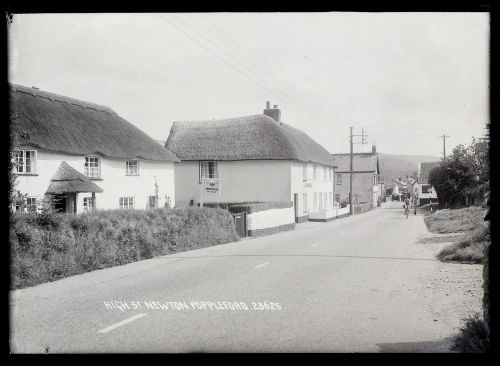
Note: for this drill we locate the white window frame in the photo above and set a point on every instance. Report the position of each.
(315, 172)
(338, 181)
(330, 195)
(30, 205)
(126, 203)
(87, 204)
(320, 200)
(129, 165)
(304, 203)
(325, 199)
(20, 160)
(92, 171)
(205, 170)
(315, 201)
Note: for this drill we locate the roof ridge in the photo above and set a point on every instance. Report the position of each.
(223, 119)
(54, 97)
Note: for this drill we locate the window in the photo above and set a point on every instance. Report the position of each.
(87, 204)
(315, 203)
(325, 197)
(152, 201)
(31, 205)
(320, 200)
(337, 197)
(339, 178)
(92, 168)
(304, 202)
(315, 172)
(374, 179)
(132, 167)
(25, 161)
(330, 195)
(331, 174)
(208, 170)
(426, 188)
(304, 172)
(126, 203)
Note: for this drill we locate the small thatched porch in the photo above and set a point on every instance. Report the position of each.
(65, 186)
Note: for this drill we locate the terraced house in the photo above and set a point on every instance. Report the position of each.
(79, 156)
(252, 159)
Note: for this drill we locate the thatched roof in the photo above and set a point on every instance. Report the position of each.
(58, 123)
(255, 137)
(360, 162)
(68, 179)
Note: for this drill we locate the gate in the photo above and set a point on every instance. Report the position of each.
(240, 223)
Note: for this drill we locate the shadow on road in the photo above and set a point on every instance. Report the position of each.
(417, 347)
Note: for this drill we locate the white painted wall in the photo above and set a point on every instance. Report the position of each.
(270, 218)
(241, 181)
(298, 185)
(114, 182)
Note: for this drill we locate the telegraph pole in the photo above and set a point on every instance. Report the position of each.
(350, 175)
(351, 142)
(444, 144)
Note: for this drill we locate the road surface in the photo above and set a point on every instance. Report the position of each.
(358, 284)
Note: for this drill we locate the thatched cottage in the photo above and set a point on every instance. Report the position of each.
(255, 158)
(81, 156)
(367, 185)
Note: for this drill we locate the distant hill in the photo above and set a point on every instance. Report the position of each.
(395, 166)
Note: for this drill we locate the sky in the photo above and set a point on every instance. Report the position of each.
(404, 78)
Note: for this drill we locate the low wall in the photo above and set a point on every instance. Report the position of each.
(264, 218)
(363, 207)
(342, 212)
(270, 221)
(323, 215)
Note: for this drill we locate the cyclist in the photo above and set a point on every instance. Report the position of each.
(407, 205)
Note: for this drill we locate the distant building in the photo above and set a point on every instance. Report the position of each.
(367, 184)
(423, 171)
(425, 192)
(255, 158)
(80, 156)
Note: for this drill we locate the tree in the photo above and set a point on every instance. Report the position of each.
(452, 177)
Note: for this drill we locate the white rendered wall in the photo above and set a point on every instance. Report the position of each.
(241, 181)
(114, 182)
(299, 186)
(270, 218)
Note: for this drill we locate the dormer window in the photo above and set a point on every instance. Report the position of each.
(25, 161)
(92, 167)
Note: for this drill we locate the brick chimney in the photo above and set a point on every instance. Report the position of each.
(274, 112)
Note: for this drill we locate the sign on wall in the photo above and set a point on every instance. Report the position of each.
(211, 188)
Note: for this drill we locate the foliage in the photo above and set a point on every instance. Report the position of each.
(474, 336)
(453, 221)
(463, 177)
(470, 248)
(48, 246)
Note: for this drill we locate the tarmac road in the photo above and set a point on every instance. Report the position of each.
(358, 284)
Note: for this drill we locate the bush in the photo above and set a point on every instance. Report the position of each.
(46, 247)
(474, 336)
(470, 248)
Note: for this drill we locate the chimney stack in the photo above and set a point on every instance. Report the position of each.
(374, 149)
(274, 113)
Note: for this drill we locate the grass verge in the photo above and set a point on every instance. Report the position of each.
(453, 221)
(472, 248)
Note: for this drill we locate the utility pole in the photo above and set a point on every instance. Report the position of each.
(351, 142)
(444, 144)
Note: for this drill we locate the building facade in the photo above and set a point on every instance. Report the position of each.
(367, 185)
(78, 156)
(255, 158)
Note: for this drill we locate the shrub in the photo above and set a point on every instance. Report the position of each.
(452, 221)
(46, 247)
(474, 336)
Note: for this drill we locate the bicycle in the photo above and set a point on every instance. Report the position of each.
(407, 210)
